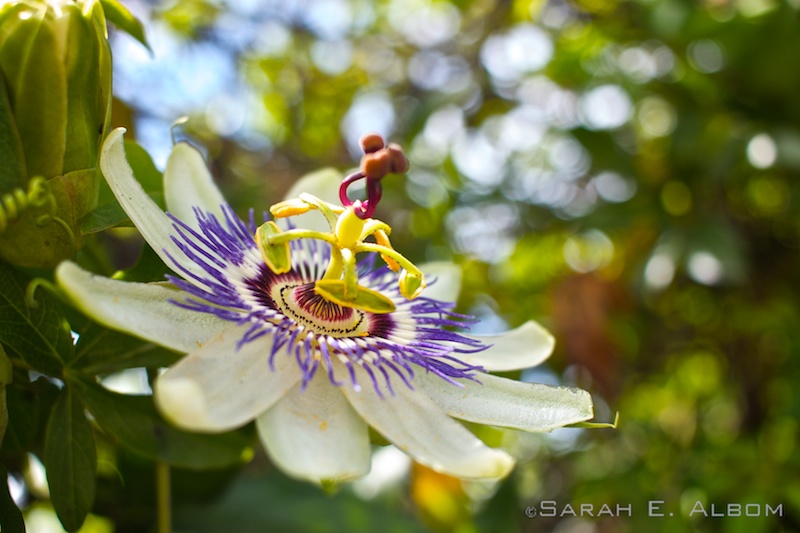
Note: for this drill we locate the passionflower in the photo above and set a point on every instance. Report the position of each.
(283, 325)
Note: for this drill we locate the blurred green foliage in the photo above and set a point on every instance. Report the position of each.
(625, 172)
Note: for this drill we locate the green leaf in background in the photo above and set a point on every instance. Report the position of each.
(38, 335)
(29, 406)
(104, 217)
(134, 421)
(103, 351)
(109, 213)
(10, 516)
(119, 16)
(147, 269)
(145, 170)
(281, 505)
(70, 457)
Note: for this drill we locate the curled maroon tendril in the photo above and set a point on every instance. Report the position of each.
(377, 162)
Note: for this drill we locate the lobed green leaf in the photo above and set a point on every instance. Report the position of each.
(70, 457)
(38, 335)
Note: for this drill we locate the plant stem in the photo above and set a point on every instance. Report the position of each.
(163, 495)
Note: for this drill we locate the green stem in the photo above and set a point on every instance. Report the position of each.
(164, 497)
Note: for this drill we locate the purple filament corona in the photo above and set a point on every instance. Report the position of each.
(284, 312)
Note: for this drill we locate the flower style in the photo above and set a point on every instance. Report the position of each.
(311, 367)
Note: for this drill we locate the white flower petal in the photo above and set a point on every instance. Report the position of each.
(504, 402)
(447, 282)
(149, 219)
(413, 423)
(188, 184)
(324, 184)
(526, 346)
(315, 434)
(218, 387)
(141, 309)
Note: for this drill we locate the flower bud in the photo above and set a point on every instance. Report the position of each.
(55, 107)
(371, 142)
(376, 165)
(399, 163)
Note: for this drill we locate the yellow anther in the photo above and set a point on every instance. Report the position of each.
(290, 208)
(276, 256)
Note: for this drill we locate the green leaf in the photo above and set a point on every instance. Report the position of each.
(109, 212)
(70, 458)
(145, 169)
(110, 215)
(103, 351)
(147, 269)
(135, 423)
(38, 335)
(293, 506)
(104, 217)
(10, 516)
(119, 16)
(29, 406)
